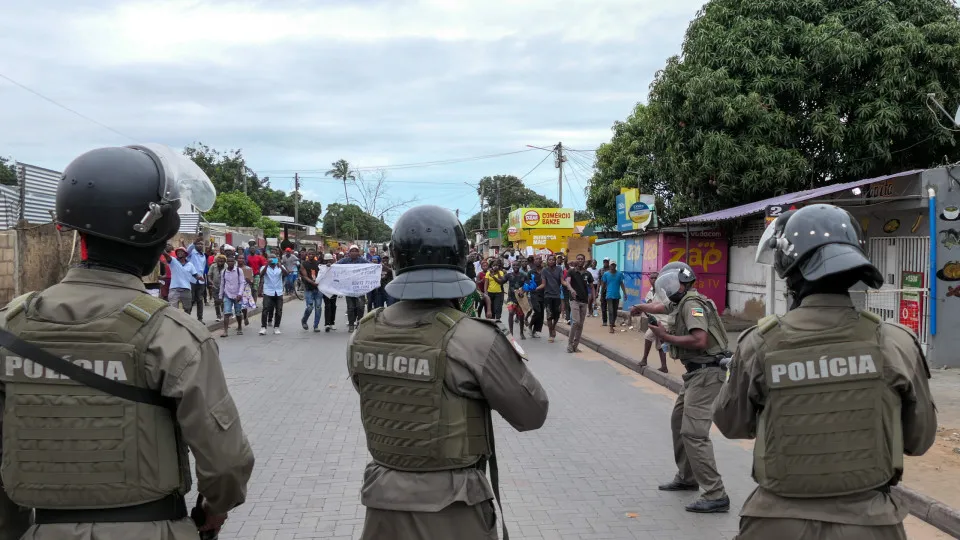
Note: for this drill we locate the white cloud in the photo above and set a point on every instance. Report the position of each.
(298, 84)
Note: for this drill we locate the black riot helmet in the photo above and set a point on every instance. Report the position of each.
(670, 279)
(816, 242)
(130, 195)
(429, 253)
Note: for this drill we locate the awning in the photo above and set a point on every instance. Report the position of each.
(789, 198)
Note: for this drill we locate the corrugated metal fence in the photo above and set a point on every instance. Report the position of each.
(40, 196)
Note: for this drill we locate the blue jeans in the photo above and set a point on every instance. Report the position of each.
(314, 302)
(291, 277)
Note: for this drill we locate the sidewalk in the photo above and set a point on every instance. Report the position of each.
(935, 474)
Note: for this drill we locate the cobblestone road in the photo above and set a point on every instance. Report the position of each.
(596, 462)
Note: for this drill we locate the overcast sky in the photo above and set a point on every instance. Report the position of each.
(299, 84)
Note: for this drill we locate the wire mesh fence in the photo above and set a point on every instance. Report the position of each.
(908, 306)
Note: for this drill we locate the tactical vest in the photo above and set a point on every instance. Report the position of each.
(717, 340)
(69, 446)
(830, 425)
(413, 422)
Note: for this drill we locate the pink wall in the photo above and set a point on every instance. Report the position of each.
(708, 258)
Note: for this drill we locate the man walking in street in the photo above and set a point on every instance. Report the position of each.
(213, 279)
(257, 262)
(613, 285)
(232, 282)
(604, 314)
(291, 263)
(271, 292)
(329, 302)
(552, 281)
(355, 304)
(578, 285)
(182, 275)
(309, 272)
(198, 285)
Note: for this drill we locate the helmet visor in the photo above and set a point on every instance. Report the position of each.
(765, 251)
(668, 285)
(183, 179)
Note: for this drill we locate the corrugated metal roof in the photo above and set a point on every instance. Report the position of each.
(789, 198)
(190, 223)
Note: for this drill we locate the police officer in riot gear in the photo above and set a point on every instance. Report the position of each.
(699, 341)
(833, 395)
(428, 377)
(106, 387)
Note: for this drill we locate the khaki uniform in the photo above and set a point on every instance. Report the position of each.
(870, 513)
(481, 366)
(182, 362)
(690, 420)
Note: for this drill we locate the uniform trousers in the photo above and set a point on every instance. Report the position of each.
(756, 528)
(457, 521)
(690, 424)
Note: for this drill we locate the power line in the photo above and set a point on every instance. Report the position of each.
(405, 165)
(536, 166)
(64, 107)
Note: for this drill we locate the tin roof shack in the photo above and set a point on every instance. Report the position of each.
(540, 230)
(911, 234)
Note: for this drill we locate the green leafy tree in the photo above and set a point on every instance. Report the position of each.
(774, 96)
(341, 171)
(229, 173)
(349, 221)
(513, 194)
(271, 229)
(235, 209)
(626, 161)
(8, 173)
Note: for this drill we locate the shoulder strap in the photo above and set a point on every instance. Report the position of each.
(143, 307)
(768, 323)
(869, 315)
(84, 376)
(19, 304)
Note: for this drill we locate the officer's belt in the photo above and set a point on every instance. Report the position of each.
(694, 366)
(170, 508)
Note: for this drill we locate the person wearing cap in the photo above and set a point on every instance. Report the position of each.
(182, 276)
(99, 445)
(329, 302)
(833, 395)
(290, 263)
(427, 411)
(355, 304)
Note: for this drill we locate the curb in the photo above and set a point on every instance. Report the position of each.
(928, 509)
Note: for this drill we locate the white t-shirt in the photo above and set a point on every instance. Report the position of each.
(595, 272)
(665, 321)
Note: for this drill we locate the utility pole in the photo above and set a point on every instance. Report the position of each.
(296, 205)
(482, 226)
(499, 219)
(558, 163)
(240, 172)
(18, 261)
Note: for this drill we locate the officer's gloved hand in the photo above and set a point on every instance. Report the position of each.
(213, 522)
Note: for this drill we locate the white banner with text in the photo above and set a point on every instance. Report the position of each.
(348, 279)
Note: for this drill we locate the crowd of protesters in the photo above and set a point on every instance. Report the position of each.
(538, 289)
(235, 280)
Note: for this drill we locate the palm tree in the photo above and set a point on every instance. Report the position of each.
(341, 171)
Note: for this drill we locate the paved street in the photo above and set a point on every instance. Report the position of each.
(596, 462)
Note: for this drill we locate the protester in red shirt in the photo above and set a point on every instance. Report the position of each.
(256, 262)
